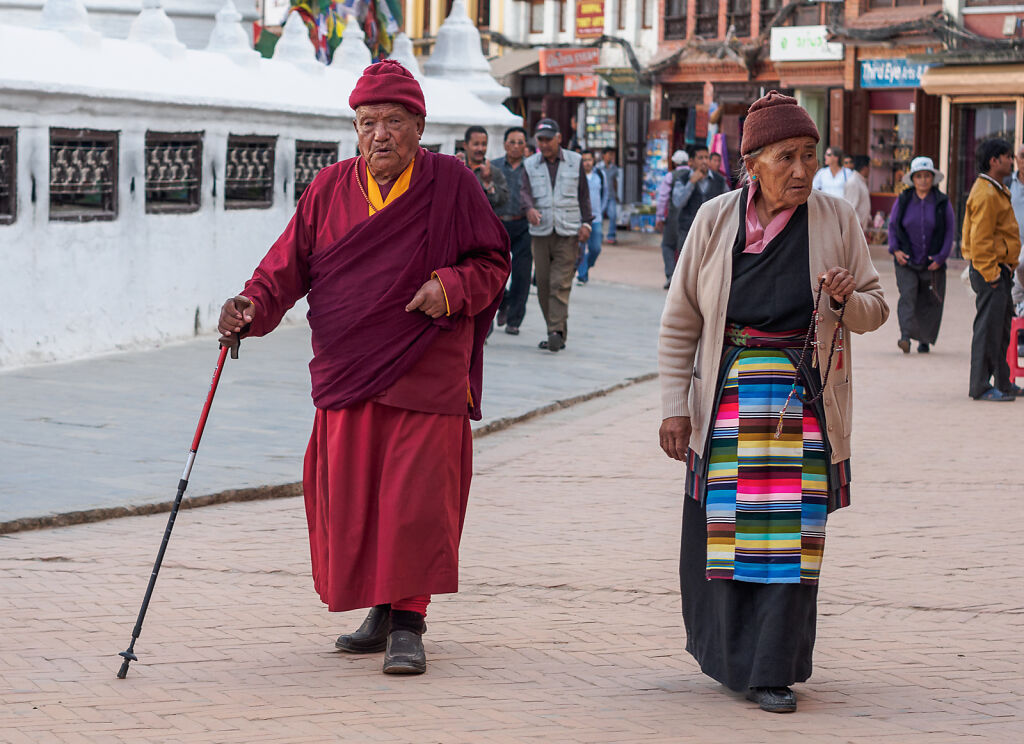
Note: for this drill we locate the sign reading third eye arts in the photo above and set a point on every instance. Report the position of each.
(891, 73)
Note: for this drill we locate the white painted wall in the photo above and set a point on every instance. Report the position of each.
(70, 290)
(193, 19)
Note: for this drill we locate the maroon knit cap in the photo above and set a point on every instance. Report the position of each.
(772, 118)
(388, 82)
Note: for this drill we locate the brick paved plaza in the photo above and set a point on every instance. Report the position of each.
(567, 628)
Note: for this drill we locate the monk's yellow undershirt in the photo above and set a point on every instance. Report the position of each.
(377, 202)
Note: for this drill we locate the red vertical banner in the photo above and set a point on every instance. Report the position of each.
(589, 18)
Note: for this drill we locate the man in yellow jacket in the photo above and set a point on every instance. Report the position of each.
(991, 242)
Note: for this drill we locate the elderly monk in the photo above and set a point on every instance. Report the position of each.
(770, 281)
(403, 264)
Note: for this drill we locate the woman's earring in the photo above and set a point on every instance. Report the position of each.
(753, 177)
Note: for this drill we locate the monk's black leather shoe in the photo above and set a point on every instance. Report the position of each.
(404, 654)
(372, 635)
(773, 699)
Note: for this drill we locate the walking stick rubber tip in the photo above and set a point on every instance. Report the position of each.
(129, 657)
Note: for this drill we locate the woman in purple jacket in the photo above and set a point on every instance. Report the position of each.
(921, 228)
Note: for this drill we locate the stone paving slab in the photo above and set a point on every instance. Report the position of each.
(567, 625)
(114, 431)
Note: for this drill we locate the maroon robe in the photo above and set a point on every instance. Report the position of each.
(388, 467)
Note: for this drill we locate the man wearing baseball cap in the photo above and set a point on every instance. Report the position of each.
(557, 202)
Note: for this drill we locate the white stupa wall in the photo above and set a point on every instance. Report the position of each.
(75, 289)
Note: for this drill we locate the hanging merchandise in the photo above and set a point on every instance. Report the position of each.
(600, 123)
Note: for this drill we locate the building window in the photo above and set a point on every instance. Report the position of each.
(83, 175)
(675, 19)
(249, 172)
(8, 175)
(647, 15)
(174, 167)
(620, 15)
(807, 15)
(707, 18)
(915, 3)
(536, 16)
(768, 10)
(562, 14)
(738, 16)
(310, 159)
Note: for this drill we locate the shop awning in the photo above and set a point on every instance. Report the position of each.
(512, 62)
(959, 80)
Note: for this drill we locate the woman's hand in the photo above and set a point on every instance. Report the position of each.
(839, 283)
(901, 257)
(674, 436)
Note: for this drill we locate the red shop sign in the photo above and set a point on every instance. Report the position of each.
(561, 61)
(589, 18)
(582, 86)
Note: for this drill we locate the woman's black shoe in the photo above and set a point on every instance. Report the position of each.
(773, 699)
(372, 635)
(404, 654)
(923, 348)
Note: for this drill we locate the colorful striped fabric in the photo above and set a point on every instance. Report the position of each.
(766, 498)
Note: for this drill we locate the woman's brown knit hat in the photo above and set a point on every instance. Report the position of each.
(772, 118)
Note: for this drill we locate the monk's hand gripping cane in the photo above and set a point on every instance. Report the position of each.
(129, 654)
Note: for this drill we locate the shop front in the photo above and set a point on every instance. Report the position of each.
(978, 102)
(902, 123)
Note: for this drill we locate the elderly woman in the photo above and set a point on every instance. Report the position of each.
(921, 228)
(755, 372)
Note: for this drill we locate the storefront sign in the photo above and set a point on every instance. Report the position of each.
(589, 18)
(891, 73)
(582, 86)
(561, 61)
(624, 80)
(802, 44)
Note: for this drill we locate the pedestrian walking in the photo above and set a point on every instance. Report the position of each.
(402, 262)
(598, 188)
(991, 242)
(557, 203)
(700, 184)
(797, 279)
(492, 180)
(833, 178)
(611, 173)
(857, 191)
(513, 216)
(921, 229)
(666, 215)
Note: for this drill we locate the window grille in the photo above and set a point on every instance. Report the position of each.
(174, 167)
(675, 19)
(310, 159)
(83, 175)
(738, 15)
(768, 10)
(249, 172)
(8, 175)
(707, 18)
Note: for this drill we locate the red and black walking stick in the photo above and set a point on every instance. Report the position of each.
(129, 654)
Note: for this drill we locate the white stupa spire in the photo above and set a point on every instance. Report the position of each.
(153, 27)
(295, 45)
(402, 52)
(352, 53)
(228, 37)
(69, 17)
(459, 56)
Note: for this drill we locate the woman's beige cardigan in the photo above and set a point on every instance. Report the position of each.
(693, 322)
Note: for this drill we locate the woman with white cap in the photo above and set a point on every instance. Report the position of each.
(921, 228)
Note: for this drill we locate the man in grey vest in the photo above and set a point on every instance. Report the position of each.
(701, 184)
(557, 202)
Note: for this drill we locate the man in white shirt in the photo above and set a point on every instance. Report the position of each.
(857, 192)
(833, 178)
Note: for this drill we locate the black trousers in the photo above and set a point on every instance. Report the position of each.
(518, 292)
(922, 295)
(991, 333)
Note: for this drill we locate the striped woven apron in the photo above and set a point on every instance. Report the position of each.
(766, 499)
